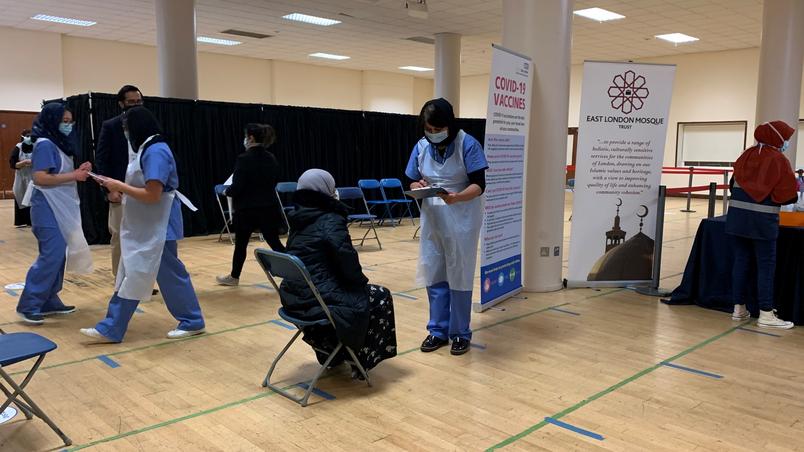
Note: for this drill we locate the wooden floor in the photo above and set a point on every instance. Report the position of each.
(601, 361)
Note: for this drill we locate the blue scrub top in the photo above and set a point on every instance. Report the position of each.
(46, 157)
(473, 156)
(158, 164)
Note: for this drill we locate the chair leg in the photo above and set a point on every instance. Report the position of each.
(376, 237)
(20, 392)
(267, 379)
(26, 410)
(416, 232)
(314, 381)
(359, 366)
(410, 214)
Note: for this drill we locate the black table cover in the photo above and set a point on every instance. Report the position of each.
(707, 277)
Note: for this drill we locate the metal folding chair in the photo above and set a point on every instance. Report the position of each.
(15, 348)
(356, 194)
(291, 268)
(375, 197)
(225, 213)
(285, 190)
(395, 194)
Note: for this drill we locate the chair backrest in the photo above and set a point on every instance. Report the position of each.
(289, 268)
(393, 188)
(286, 187)
(372, 190)
(352, 196)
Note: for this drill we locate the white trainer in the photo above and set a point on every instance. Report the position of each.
(740, 313)
(179, 334)
(768, 319)
(92, 332)
(227, 280)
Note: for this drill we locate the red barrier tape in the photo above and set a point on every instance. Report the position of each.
(683, 171)
(671, 191)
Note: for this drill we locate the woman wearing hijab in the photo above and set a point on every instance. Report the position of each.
(449, 158)
(363, 313)
(254, 201)
(23, 176)
(763, 181)
(55, 215)
(151, 225)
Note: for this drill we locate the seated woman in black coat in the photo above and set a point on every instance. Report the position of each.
(363, 313)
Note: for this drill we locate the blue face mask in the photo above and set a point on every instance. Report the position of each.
(785, 146)
(26, 140)
(437, 138)
(66, 128)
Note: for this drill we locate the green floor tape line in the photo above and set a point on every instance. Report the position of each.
(610, 389)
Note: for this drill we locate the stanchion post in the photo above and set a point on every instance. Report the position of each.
(712, 199)
(725, 191)
(689, 193)
(654, 290)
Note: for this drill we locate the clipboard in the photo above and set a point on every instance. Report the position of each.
(426, 192)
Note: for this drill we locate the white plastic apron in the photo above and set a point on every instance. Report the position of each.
(142, 236)
(449, 233)
(63, 201)
(23, 178)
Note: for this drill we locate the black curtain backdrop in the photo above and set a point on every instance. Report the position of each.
(206, 137)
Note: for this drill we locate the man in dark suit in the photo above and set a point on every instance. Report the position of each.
(111, 160)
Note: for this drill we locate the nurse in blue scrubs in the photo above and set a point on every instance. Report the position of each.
(55, 215)
(450, 224)
(151, 226)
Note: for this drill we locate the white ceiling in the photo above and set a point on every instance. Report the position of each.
(374, 35)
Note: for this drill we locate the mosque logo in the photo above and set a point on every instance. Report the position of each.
(628, 92)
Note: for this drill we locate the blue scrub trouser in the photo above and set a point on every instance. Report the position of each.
(450, 312)
(46, 275)
(177, 291)
(745, 250)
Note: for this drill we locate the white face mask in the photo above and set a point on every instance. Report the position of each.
(245, 143)
(26, 140)
(438, 137)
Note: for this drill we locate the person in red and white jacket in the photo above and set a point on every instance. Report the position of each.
(763, 181)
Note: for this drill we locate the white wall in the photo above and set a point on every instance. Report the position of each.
(31, 64)
(474, 96)
(384, 91)
(67, 65)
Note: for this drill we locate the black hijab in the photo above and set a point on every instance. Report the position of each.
(141, 124)
(46, 125)
(439, 113)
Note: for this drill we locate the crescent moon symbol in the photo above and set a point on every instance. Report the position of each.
(646, 211)
(619, 202)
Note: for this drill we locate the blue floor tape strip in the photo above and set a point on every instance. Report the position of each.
(565, 311)
(108, 361)
(264, 286)
(404, 295)
(282, 324)
(691, 370)
(11, 292)
(139, 311)
(758, 332)
(573, 428)
(475, 345)
(317, 391)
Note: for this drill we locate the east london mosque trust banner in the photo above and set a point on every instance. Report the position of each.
(622, 133)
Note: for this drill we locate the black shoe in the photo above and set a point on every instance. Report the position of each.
(432, 343)
(154, 292)
(459, 346)
(60, 311)
(35, 319)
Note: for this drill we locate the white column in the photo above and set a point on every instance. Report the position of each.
(448, 69)
(176, 48)
(542, 29)
(781, 58)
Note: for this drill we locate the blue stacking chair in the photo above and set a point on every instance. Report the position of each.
(16, 348)
(395, 194)
(356, 194)
(375, 197)
(225, 213)
(291, 268)
(285, 190)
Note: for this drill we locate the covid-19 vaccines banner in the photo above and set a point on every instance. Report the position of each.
(621, 139)
(507, 123)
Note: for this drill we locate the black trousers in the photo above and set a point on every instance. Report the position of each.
(245, 223)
